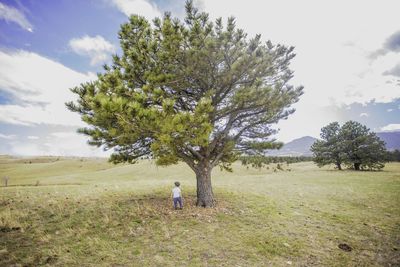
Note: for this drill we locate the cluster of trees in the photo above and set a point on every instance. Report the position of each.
(352, 145)
(196, 91)
(258, 161)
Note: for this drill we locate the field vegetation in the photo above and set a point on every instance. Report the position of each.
(88, 212)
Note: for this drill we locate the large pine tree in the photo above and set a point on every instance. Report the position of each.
(192, 91)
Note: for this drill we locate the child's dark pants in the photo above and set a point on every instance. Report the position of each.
(176, 200)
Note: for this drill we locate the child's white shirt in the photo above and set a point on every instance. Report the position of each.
(176, 192)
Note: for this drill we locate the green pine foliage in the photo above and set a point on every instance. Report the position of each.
(352, 144)
(329, 150)
(363, 149)
(393, 155)
(187, 91)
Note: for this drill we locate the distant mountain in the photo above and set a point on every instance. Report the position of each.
(392, 139)
(301, 146)
(297, 147)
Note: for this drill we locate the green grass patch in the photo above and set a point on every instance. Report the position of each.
(97, 214)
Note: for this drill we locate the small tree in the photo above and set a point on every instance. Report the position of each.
(192, 91)
(363, 149)
(328, 150)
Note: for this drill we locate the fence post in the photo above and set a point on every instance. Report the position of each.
(5, 180)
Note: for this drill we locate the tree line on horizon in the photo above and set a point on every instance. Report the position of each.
(260, 161)
(393, 155)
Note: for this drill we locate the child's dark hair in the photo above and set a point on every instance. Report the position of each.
(177, 183)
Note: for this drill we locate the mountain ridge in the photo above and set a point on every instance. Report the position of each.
(301, 146)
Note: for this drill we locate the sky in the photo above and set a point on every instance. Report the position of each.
(348, 60)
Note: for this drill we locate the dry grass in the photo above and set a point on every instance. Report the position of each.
(90, 213)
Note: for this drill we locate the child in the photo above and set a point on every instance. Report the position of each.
(177, 195)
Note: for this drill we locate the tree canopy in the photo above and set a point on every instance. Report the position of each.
(195, 91)
(394, 155)
(352, 144)
(328, 150)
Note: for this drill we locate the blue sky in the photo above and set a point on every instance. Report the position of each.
(348, 59)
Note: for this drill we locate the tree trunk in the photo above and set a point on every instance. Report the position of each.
(339, 166)
(357, 166)
(205, 196)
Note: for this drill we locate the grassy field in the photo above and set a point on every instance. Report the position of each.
(87, 212)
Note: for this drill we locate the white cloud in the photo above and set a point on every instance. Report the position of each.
(330, 69)
(392, 44)
(364, 115)
(72, 144)
(332, 59)
(75, 148)
(58, 144)
(96, 48)
(8, 137)
(395, 71)
(64, 134)
(40, 88)
(389, 110)
(138, 7)
(11, 14)
(391, 127)
(306, 121)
